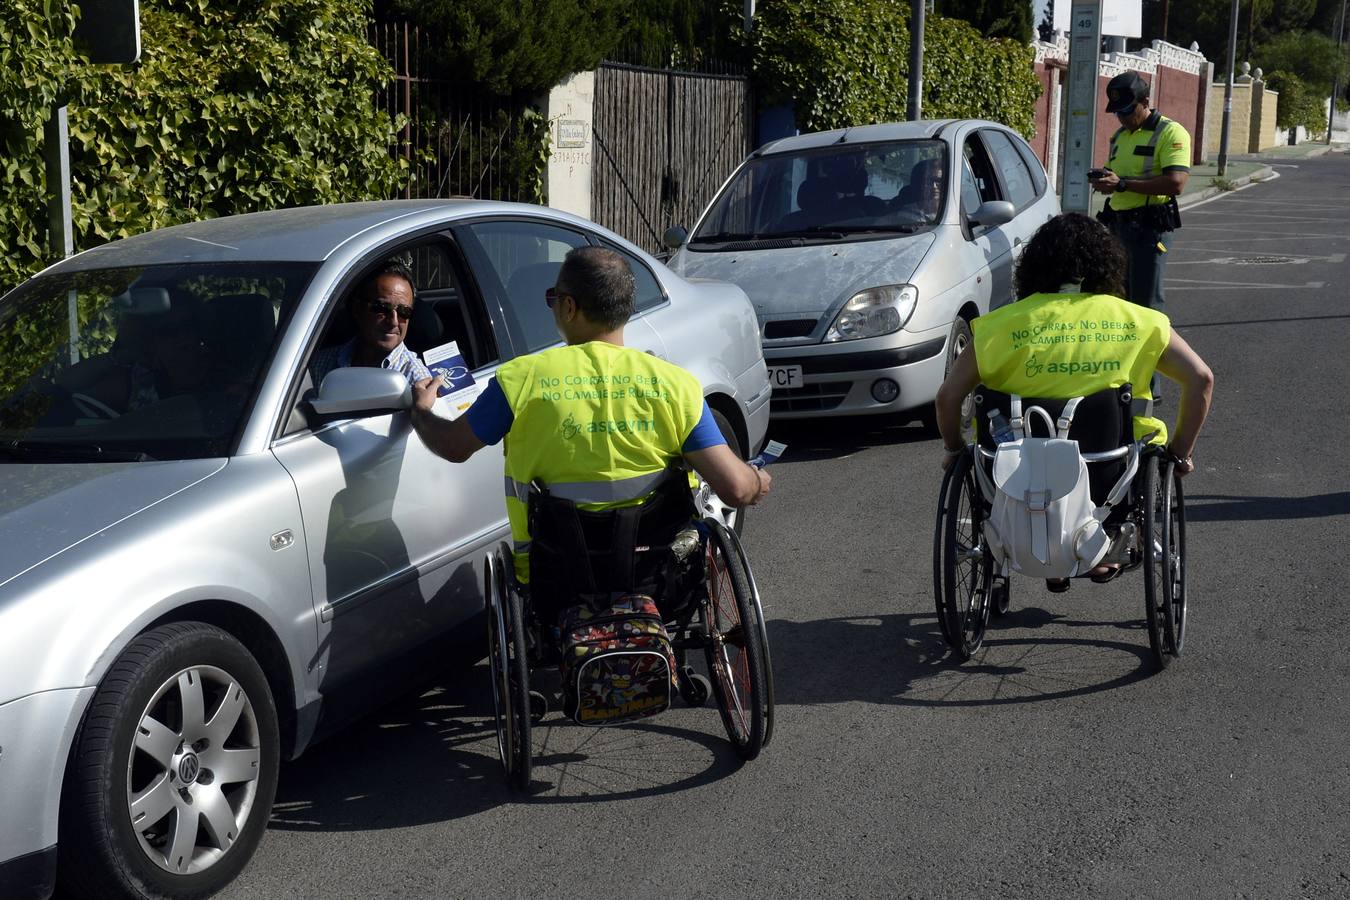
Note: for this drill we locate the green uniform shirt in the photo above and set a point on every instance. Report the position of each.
(1056, 346)
(597, 423)
(1159, 145)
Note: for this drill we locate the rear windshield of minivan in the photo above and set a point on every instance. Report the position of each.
(829, 193)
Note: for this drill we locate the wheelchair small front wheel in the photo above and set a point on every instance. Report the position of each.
(965, 576)
(737, 657)
(1164, 540)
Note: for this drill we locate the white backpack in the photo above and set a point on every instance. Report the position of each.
(1044, 523)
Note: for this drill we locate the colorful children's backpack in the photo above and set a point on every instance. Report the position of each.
(618, 664)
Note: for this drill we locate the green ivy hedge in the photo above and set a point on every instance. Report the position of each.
(234, 107)
(846, 63)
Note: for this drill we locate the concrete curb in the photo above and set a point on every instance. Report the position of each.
(1264, 173)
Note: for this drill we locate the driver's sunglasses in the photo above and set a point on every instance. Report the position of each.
(383, 308)
(551, 296)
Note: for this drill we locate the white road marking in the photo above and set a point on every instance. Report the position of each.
(1252, 240)
(1241, 260)
(1240, 285)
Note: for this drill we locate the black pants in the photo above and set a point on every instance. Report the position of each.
(1146, 259)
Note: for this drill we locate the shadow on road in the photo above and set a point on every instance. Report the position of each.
(816, 439)
(431, 757)
(1218, 508)
(904, 660)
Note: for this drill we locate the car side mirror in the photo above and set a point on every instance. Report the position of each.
(992, 213)
(362, 389)
(675, 237)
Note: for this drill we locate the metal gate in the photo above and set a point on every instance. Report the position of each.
(664, 143)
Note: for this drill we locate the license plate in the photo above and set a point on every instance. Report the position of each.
(785, 376)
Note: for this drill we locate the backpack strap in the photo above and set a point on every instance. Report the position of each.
(1065, 420)
(1015, 414)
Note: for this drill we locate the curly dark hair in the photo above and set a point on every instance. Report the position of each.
(1072, 248)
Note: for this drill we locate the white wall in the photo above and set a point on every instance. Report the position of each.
(570, 111)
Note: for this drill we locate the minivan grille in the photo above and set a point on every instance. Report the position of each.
(788, 328)
(809, 397)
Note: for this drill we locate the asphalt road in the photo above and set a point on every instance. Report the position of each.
(1055, 764)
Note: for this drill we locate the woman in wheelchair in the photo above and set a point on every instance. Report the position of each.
(1071, 335)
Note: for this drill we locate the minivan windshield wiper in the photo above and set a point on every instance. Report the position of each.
(867, 229)
(50, 451)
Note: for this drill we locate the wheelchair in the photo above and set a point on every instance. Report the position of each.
(1146, 524)
(707, 599)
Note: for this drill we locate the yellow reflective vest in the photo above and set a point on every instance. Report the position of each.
(1159, 145)
(1070, 345)
(597, 423)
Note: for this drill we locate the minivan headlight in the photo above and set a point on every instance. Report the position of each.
(873, 312)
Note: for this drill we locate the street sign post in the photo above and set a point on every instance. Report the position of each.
(1080, 130)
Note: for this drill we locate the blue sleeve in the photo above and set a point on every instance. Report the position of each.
(705, 434)
(490, 416)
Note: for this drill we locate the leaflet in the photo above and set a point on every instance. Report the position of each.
(770, 453)
(459, 390)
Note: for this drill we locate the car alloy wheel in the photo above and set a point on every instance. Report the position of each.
(193, 777)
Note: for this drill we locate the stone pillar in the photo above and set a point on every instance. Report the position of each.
(570, 110)
(1256, 136)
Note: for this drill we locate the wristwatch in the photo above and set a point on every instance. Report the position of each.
(1120, 186)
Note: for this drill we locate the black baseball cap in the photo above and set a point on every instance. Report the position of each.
(1125, 90)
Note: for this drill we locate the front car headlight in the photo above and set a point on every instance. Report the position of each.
(873, 312)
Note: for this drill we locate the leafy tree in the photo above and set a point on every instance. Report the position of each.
(1298, 104)
(521, 48)
(845, 63)
(234, 107)
(1045, 29)
(993, 18)
(1311, 56)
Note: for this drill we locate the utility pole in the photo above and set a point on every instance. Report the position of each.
(914, 107)
(1336, 81)
(1228, 91)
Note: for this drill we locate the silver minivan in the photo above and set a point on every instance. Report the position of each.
(207, 563)
(867, 252)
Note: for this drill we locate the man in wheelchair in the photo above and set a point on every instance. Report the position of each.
(597, 438)
(1070, 335)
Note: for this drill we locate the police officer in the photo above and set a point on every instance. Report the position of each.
(597, 422)
(1148, 168)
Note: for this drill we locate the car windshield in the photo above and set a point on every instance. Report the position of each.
(152, 362)
(831, 193)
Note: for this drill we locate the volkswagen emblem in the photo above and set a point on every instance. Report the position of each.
(189, 768)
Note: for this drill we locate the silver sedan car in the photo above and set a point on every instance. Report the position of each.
(868, 251)
(208, 562)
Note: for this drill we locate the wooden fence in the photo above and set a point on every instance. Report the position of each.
(664, 143)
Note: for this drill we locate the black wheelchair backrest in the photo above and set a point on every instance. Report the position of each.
(587, 554)
(1102, 422)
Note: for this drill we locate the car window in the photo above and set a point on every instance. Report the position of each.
(155, 360)
(879, 187)
(447, 309)
(1034, 166)
(1016, 179)
(647, 290)
(978, 182)
(524, 258)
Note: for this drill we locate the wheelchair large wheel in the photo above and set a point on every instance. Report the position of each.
(964, 578)
(1164, 560)
(509, 669)
(737, 646)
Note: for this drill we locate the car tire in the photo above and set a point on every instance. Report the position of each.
(709, 504)
(179, 744)
(957, 340)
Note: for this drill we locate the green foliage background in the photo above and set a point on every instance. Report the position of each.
(994, 18)
(235, 106)
(846, 63)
